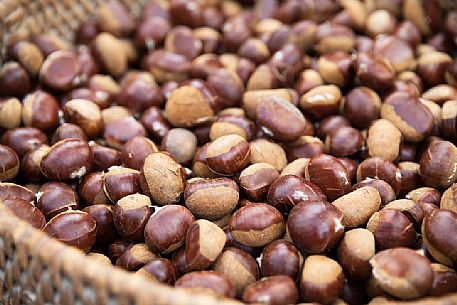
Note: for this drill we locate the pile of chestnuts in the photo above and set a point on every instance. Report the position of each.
(276, 151)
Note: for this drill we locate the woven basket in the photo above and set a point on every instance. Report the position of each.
(37, 269)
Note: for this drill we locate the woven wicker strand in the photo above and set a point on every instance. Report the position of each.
(36, 269)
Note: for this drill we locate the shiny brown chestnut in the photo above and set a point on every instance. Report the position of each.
(91, 189)
(61, 71)
(438, 164)
(228, 154)
(155, 123)
(75, 228)
(14, 80)
(361, 106)
(436, 229)
(256, 224)
(119, 182)
(402, 273)
(343, 142)
(279, 119)
(329, 175)
(26, 211)
(139, 91)
(380, 168)
(391, 229)
(67, 159)
(135, 150)
(289, 190)
(9, 163)
(409, 115)
(41, 110)
(104, 157)
(103, 216)
(278, 290)
(130, 214)
(68, 130)
(160, 270)
(255, 180)
(56, 197)
(166, 230)
(135, 257)
(280, 258)
(311, 236)
(118, 132)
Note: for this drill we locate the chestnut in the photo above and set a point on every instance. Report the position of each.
(311, 236)
(26, 211)
(380, 168)
(238, 267)
(279, 119)
(103, 216)
(280, 258)
(119, 182)
(68, 130)
(162, 178)
(304, 147)
(10, 112)
(256, 224)
(444, 280)
(266, 151)
(438, 164)
(9, 163)
(436, 229)
(289, 190)
(356, 249)
(211, 198)
(329, 174)
(209, 281)
(40, 110)
(75, 228)
(228, 154)
(278, 290)
(118, 132)
(204, 243)
(160, 270)
(135, 150)
(402, 273)
(86, 114)
(358, 205)
(361, 106)
(180, 143)
(166, 230)
(131, 213)
(322, 280)
(256, 179)
(398, 108)
(391, 229)
(67, 159)
(135, 257)
(56, 197)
